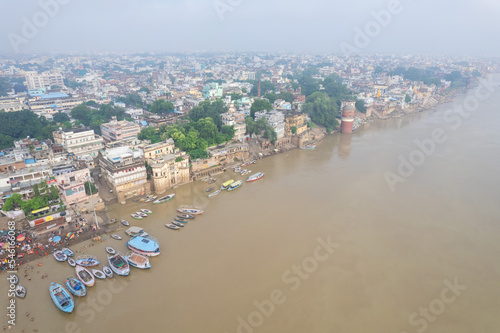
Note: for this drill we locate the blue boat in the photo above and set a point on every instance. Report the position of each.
(145, 245)
(75, 286)
(61, 298)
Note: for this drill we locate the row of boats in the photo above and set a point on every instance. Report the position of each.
(232, 185)
(187, 213)
(155, 199)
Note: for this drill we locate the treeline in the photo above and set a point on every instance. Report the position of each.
(93, 115)
(21, 124)
(43, 196)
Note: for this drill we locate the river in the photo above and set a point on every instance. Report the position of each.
(331, 240)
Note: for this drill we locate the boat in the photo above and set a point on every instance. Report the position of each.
(187, 210)
(107, 271)
(14, 279)
(75, 286)
(225, 185)
(185, 216)
(246, 172)
(67, 251)
(164, 199)
(71, 262)
(255, 177)
(145, 245)
(125, 223)
(249, 163)
(206, 179)
(98, 273)
(136, 216)
(138, 261)
(212, 180)
(242, 171)
(20, 291)
(213, 194)
(110, 250)
(141, 214)
(60, 255)
(178, 224)
(210, 189)
(119, 264)
(61, 298)
(87, 261)
(237, 169)
(147, 211)
(135, 231)
(116, 237)
(308, 147)
(181, 221)
(151, 199)
(235, 185)
(84, 275)
(171, 226)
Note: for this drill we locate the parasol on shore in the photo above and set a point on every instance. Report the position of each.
(5, 245)
(20, 238)
(57, 239)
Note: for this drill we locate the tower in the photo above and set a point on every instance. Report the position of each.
(258, 90)
(347, 118)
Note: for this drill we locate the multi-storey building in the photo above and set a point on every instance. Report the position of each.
(297, 120)
(119, 130)
(212, 90)
(11, 104)
(53, 102)
(276, 119)
(44, 80)
(71, 183)
(156, 150)
(79, 141)
(124, 171)
(169, 170)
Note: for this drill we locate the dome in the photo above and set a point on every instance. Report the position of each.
(348, 107)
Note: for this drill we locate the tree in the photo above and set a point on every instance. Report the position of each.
(260, 105)
(5, 86)
(90, 186)
(146, 90)
(60, 117)
(36, 191)
(407, 98)
(308, 85)
(209, 109)
(179, 159)
(271, 96)
(161, 106)
(294, 130)
(149, 133)
(265, 86)
(360, 105)
(235, 96)
(322, 109)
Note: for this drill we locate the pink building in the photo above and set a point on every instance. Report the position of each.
(72, 185)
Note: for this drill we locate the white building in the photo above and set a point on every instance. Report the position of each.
(79, 141)
(44, 80)
(276, 119)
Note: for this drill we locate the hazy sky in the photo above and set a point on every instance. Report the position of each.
(419, 26)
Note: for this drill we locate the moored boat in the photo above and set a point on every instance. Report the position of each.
(137, 217)
(213, 194)
(135, 231)
(212, 180)
(75, 286)
(255, 177)
(71, 262)
(87, 261)
(84, 275)
(178, 224)
(225, 185)
(110, 250)
(246, 172)
(125, 223)
(206, 179)
(61, 298)
(67, 251)
(171, 226)
(185, 216)
(308, 147)
(141, 214)
(98, 273)
(107, 271)
(144, 245)
(210, 189)
(119, 264)
(235, 185)
(60, 255)
(146, 211)
(138, 261)
(153, 198)
(181, 221)
(188, 210)
(20, 291)
(164, 199)
(116, 237)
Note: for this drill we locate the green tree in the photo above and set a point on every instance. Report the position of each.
(161, 106)
(146, 90)
(407, 98)
(322, 109)
(360, 105)
(294, 130)
(90, 186)
(265, 86)
(36, 191)
(60, 117)
(260, 105)
(5, 86)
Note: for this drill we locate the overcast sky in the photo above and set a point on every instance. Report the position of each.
(419, 26)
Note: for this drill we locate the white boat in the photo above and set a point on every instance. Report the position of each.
(60, 255)
(107, 271)
(136, 216)
(119, 264)
(87, 261)
(246, 172)
(185, 216)
(20, 291)
(147, 211)
(164, 199)
(151, 199)
(71, 262)
(171, 226)
(138, 261)
(178, 224)
(144, 245)
(98, 273)
(141, 214)
(188, 210)
(67, 251)
(116, 237)
(235, 185)
(135, 231)
(110, 250)
(125, 223)
(255, 177)
(213, 194)
(84, 275)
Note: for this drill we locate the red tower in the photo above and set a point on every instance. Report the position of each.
(258, 90)
(347, 118)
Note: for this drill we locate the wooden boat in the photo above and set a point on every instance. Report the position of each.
(75, 286)
(60, 255)
(178, 224)
(137, 217)
(235, 185)
(144, 245)
(107, 271)
(206, 179)
(116, 237)
(185, 216)
(138, 261)
(212, 180)
(135, 231)
(181, 221)
(249, 163)
(87, 261)
(153, 198)
(71, 262)
(67, 251)
(242, 171)
(61, 298)
(119, 264)
(210, 189)
(84, 275)
(246, 172)
(213, 194)
(255, 177)
(110, 250)
(308, 147)
(164, 199)
(141, 214)
(225, 185)
(125, 223)
(171, 226)
(20, 291)
(98, 273)
(187, 210)
(147, 211)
